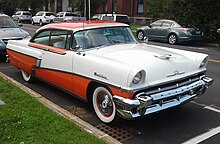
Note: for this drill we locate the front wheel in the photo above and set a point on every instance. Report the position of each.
(104, 105)
(172, 39)
(26, 76)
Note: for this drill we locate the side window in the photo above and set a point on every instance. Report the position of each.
(60, 39)
(42, 38)
(156, 24)
(108, 18)
(167, 24)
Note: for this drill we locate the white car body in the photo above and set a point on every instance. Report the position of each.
(22, 16)
(125, 77)
(67, 16)
(43, 17)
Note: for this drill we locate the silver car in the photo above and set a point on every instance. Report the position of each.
(170, 31)
(9, 30)
(22, 16)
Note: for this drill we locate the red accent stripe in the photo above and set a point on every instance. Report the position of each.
(49, 48)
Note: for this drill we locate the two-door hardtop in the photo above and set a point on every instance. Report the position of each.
(102, 62)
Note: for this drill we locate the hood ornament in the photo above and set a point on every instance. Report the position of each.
(164, 56)
(176, 72)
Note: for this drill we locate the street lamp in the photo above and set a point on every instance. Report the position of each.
(85, 9)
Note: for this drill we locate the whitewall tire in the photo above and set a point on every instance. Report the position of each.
(26, 76)
(103, 105)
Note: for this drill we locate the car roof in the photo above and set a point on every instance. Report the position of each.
(84, 24)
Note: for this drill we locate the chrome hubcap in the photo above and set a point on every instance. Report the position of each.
(104, 104)
(140, 35)
(172, 39)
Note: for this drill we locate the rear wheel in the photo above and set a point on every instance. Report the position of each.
(103, 105)
(26, 76)
(41, 23)
(32, 22)
(172, 39)
(140, 35)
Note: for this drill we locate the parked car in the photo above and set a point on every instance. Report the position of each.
(170, 31)
(112, 17)
(9, 30)
(22, 16)
(101, 62)
(42, 18)
(218, 31)
(67, 16)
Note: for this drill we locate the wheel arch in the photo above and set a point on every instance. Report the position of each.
(91, 87)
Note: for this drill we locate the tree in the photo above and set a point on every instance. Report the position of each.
(205, 14)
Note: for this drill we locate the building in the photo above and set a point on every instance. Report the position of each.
(135, 9)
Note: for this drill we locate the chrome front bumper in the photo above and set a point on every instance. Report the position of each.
(144, 104)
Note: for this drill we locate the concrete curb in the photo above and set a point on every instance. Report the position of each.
(57, 109)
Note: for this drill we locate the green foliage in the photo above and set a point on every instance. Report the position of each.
(204, 14)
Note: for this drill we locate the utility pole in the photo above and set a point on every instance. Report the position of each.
(89, 10)
(85, 9)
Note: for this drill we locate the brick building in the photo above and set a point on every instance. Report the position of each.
(135, 9)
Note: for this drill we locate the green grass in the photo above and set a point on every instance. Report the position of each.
(134, 26)
(24, 120)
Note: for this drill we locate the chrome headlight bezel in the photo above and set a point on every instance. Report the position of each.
(137, 78)
(204, 63)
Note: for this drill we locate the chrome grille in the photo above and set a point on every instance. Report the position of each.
(169, 86)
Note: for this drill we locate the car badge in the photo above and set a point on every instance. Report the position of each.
(100, 75)
(164, 56)
(176, 72)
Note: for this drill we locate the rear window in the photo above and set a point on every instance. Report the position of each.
(26, 13)
(71, 14)
(186, 25)
(49, 14)
(123, 19)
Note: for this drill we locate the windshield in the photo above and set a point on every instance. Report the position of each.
(6, 22)
(103, 37)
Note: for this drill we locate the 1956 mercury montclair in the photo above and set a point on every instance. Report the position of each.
(101, 62)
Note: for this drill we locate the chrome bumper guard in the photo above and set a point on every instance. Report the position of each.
(146, 104)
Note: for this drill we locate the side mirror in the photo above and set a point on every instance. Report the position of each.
(80, 50)
(145, 39)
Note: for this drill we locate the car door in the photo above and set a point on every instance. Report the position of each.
(164, 30)
(38, 17)
(56, 62)
(153, 30)
(17, 14)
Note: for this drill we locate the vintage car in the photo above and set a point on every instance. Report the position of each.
(101, 62)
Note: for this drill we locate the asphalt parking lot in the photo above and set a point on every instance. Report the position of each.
(195, 122)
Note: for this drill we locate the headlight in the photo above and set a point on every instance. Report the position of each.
(137, 78)
(204, 62)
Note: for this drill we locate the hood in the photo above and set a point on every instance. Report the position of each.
(159, 63)
(8, 33)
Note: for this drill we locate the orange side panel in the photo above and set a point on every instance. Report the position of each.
(80, 85)
(21, 61)
(75, 84)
